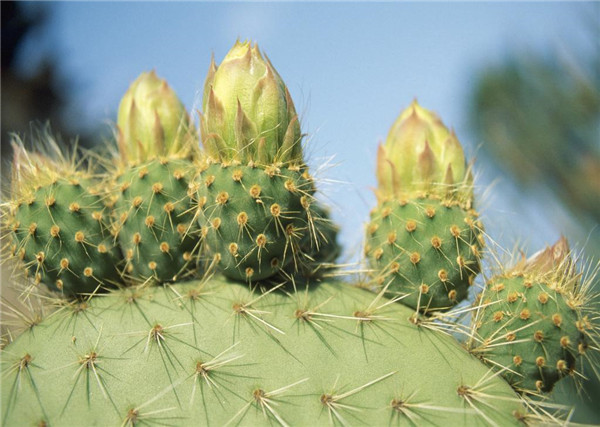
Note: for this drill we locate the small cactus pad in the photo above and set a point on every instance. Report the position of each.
(61, 232)
(254, 218)
(218, 353)
(424, 251)
(158, 233)
(532, 322)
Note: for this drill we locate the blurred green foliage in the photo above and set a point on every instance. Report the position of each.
(538, 118)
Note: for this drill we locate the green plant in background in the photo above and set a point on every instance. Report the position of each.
(539, 119)
(214, 331)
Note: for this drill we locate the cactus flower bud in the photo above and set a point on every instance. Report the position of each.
(152, 121)
(421, 155)
(248, 112)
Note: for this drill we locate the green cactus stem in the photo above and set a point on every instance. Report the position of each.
(219, 353)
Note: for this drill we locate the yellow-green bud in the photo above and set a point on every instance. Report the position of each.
(248, 113)
(153, 122)
(421, 156)
(553, 265)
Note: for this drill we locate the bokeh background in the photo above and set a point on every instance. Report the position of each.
(519, 83)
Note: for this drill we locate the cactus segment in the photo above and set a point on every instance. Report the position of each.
(158, 232)
(531, 322)
(254, 219)
(424, 241)
(57, 222)
(424, 252)
(256, 192)
(219, 353)
(62, 235)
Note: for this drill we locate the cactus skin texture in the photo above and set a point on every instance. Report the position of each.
(158, 232)
(530, 321)
(424, 240)
(157, 228)
(65, 241)
(427, 251)
(254, 220)
(256, 192)
(216, 352)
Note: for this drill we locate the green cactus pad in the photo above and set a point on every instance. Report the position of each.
(158, 232)
(62, 235)
(255, 218)
(218, 353)
(425, 252)
(534, 332)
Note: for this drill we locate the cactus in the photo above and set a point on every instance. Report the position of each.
(157, 149)
(532, 321)
(220, 353)
(424, 239)
(59, 223)
(177, 341)
(256, 192)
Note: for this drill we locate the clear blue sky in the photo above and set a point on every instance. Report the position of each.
(350, 67)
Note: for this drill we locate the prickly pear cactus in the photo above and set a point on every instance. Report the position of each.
(156, 219)
(424, 240)
(60, 224)
(256, 192)
(220, 353)
(223, 308)
(532, 322)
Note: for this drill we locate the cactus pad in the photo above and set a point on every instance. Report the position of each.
(158, 233)
(61, 232)
(424, 251)
(254, 218)
(218, 353)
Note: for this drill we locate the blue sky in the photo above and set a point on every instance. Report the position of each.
(350, 67)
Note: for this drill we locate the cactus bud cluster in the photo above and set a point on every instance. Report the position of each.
(249, 114)
(153, 122)
(421, 156)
